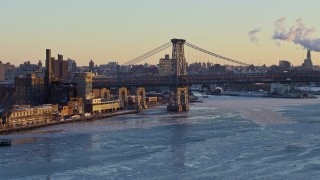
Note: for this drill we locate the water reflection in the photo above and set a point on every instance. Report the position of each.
(178, 146)
(25, 140)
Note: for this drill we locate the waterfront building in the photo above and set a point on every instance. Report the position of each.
(75, 106)
(97, 106)
(26, 115)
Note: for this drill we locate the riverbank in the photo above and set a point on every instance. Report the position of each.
(286, 96)
(90, 118)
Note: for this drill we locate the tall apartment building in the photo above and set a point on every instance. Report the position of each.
(4, 67)
(165, 66)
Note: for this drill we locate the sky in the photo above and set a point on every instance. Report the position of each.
(120, 30)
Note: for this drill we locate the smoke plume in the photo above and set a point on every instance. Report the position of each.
(298, 33)
(253, 35)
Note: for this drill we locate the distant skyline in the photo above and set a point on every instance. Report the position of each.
(109, 30)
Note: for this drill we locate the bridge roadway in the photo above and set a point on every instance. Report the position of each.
(136, 81)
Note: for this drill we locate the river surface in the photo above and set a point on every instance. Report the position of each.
(220, 138)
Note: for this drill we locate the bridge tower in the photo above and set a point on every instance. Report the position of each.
(141, 101)
(123, 97)
(105, 94)
(179, 97)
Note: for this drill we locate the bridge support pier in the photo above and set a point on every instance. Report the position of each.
(141, 102)
(105, 94)
(123, 97)
(179, 99)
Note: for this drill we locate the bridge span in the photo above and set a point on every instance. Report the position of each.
(179, 81)
(188, 80)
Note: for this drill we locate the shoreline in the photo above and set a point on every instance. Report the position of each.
(91, 118)
(268, 96)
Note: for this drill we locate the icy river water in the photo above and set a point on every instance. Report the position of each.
(219, 138)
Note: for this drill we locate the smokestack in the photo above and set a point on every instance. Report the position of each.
(48, 60)
(48, 76)
(60, 59)
(309, 55)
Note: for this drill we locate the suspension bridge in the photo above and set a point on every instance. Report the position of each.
(179, 81)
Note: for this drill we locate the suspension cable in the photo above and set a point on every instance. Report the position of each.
(216, 55)
(148, 54)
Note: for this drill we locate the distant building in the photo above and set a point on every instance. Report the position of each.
(217, 68)
(3, 69)
(23, 70)
(72, 65)
(91, 66)
(284, 64)
(39, 64)
(165, 66)
(113, 65)
(307, 64)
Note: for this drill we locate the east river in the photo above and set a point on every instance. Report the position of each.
(220, 138)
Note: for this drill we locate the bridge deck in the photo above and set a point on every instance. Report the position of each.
(207, 79)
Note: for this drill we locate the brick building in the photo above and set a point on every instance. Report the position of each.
(60, 67)
(29, 90)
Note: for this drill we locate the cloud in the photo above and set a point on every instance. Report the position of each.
(298, 33)
(253, 35)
